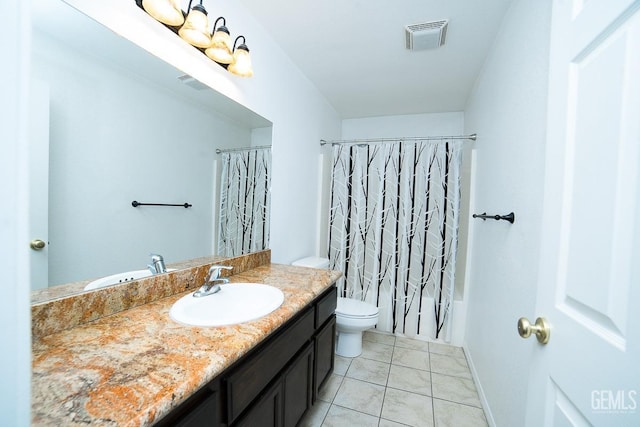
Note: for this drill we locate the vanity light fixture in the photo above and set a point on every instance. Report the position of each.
(220, 48)
(241, 65)
(166, 11)
(194, 29)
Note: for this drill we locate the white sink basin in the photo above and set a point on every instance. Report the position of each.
(115, 279)
(235, 303)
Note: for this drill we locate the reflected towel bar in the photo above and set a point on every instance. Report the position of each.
(509, 217)
(135, 204)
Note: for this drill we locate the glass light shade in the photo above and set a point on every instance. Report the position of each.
(195, 30)
(241, 65)
(220, 49)
(166, 11)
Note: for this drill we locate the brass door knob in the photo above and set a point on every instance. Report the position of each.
(540, 328)
(37, 244)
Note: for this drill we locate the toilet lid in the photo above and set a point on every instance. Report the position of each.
(353, 308)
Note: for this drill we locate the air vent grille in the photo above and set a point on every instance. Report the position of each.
(427, 35)
(192, 83)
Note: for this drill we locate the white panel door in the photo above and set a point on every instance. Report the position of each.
(589, 289)
(39, 182)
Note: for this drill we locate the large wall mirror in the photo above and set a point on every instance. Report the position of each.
(111, 124)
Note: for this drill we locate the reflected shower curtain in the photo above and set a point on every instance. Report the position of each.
(393, 231)
(245, 199)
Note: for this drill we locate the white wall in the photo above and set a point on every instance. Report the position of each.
(15, 333)
(507, 109)
(114, 138)
(278, 91)
(404, 125)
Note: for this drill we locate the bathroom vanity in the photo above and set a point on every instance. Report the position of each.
(137, 367)
(276, 382)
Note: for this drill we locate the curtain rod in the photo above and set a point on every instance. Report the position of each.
(471, 137)
(228, 150)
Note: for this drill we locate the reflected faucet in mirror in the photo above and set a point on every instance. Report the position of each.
(157, 264)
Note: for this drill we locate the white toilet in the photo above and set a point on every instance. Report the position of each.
(353, 317)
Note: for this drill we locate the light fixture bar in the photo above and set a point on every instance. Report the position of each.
(193, 28)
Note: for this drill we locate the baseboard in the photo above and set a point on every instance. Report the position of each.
(483, 398)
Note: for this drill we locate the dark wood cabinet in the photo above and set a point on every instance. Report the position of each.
(298, 386)
(325, 343)
(266, 411)
(276, 382)
(247, 379)
(204, 408)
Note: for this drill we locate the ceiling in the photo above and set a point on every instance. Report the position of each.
(354, 51)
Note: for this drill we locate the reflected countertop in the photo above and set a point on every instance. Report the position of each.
(133, 367)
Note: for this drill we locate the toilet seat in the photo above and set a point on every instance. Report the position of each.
(354, 309)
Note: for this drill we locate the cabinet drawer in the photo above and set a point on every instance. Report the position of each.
(326, 307)
(246, 382)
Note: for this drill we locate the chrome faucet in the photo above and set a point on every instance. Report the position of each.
(157, 264)
(213, 281)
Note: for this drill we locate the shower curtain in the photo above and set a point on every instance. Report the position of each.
(245, 199)
(393, 230)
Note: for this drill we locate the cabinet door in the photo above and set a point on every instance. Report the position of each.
(325, 343)
(267, 411)
(249, 378)
(200, 410)
(204, 414)
(298, 387)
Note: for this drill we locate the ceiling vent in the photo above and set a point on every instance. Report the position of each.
(428, 35)
(192, 83)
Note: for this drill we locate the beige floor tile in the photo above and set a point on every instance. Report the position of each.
(344, 417)
(455, 389)
(369, 370)
(328, 391)
(450, 365)
(360, 396)
(315, 416)
(407, 408)
(379, 337)
(410, 379)
(376, 351)
(341, 365)
(405, 342)
(414, 371)
(411, 358)
(449, 414)
(388, 423)
(446, 349)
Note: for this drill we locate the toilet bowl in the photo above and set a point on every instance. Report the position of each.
(353, 317)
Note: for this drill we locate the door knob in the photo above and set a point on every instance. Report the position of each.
(37, 244)
(540, 328)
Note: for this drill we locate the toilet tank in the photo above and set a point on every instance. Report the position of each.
(312, 261)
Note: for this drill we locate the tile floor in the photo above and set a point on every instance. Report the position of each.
(399, 382)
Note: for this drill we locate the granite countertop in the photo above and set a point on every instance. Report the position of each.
(133, 367)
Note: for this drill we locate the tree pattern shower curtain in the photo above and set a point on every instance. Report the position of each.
(393, 231)
(245, 200)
